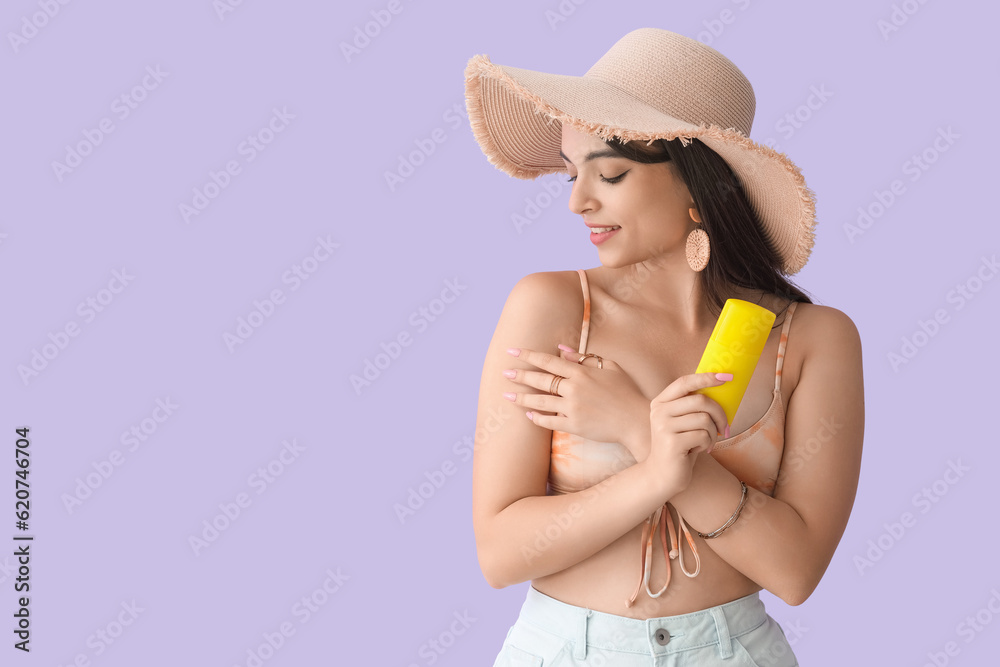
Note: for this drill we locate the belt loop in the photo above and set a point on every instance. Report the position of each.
(580, 641)
(725, 641)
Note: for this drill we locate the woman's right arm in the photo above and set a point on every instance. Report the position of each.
(521, 533)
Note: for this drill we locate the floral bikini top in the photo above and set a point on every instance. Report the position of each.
(753, 456)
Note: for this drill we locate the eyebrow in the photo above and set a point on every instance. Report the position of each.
(593, 155)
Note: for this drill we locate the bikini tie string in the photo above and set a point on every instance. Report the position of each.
(663, 520)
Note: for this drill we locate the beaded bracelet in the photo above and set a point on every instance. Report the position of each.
(732, 519)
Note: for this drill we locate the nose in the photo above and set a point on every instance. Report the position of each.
(581, 199)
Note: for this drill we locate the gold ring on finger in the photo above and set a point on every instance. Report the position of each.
(554, 386)
(600, 360)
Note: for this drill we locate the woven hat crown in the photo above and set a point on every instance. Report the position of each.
(680, 77)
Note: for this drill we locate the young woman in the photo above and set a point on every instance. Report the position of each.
(645, 522)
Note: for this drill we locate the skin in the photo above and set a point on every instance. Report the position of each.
(650, 323)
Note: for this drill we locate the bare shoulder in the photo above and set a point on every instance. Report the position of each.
(547, 288)
(546, 308)
(819, 327)
(820, 335)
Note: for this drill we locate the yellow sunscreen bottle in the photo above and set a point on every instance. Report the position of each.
(734, 347)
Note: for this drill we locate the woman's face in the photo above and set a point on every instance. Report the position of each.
(649, 202)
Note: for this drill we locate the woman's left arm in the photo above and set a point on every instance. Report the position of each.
(785, 543)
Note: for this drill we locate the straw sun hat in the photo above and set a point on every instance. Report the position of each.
(651, 84)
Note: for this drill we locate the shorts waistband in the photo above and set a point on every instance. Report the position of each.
(653, 636)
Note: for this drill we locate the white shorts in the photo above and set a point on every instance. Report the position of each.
(552, 633)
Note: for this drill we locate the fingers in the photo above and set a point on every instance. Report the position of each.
(553, 422)
(699, 404)
(679, 400)
(686, 384)
(592, 361)
(544, 402)
(553, 364)
(536, 379)
(569, 353)
(686, 444)
(696, 430)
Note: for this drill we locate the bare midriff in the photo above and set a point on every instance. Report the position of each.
(605, 580)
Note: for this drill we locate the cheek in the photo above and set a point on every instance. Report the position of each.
(658, 193)
(658, 212)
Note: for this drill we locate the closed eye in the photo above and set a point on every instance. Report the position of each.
(613, 179)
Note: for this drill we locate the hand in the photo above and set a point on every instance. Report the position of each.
(683, 424)
(601, 404)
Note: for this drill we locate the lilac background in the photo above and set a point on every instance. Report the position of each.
(332, 507)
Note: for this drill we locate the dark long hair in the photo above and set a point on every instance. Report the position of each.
(741, 253)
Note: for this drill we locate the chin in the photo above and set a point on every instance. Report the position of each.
(615, 259)
(614, 263)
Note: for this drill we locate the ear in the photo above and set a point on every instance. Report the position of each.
(693, 212)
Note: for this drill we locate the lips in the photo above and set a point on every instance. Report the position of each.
(597, 238)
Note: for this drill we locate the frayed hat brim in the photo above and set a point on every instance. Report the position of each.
(517, 115)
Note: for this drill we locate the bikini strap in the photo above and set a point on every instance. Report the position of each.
(781, 345)
(585, 331)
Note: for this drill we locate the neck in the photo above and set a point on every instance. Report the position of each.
(666, 289)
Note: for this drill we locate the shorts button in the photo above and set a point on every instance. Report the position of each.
(662, 637)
